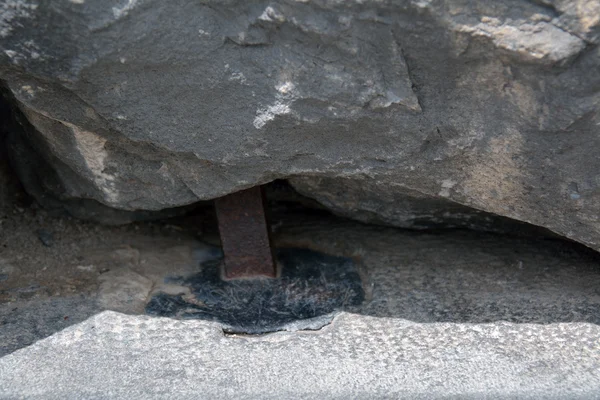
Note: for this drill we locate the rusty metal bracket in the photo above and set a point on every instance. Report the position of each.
(245, 235)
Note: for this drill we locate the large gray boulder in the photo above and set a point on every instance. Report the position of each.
(367, 106)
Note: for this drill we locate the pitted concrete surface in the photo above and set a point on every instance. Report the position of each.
(114, 356)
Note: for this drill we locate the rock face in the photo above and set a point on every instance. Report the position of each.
(366, 106)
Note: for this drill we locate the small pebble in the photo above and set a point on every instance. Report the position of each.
(46, 237)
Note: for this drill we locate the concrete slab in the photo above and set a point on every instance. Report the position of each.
(117, 356)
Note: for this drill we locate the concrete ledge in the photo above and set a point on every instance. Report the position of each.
(112, 355)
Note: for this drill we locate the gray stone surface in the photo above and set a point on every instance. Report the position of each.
(112, 355)
(148, 105)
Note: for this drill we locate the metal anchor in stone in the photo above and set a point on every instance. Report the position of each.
(245, 235)
(309, 283)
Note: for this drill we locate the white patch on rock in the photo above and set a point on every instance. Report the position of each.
(91, 148)
(11, 53)
(238, 76)
(120, 12)
(268, 114)
(286, 87)
(272, 15)
(77, 1)
(10, 10)
(286, 94)
(447, 184)
(423, 4)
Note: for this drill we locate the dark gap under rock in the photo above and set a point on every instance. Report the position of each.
(11, 192)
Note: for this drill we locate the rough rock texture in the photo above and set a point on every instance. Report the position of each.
(148, 105)
(119, 356)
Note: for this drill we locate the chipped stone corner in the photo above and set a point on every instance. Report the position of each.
(532, 41)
